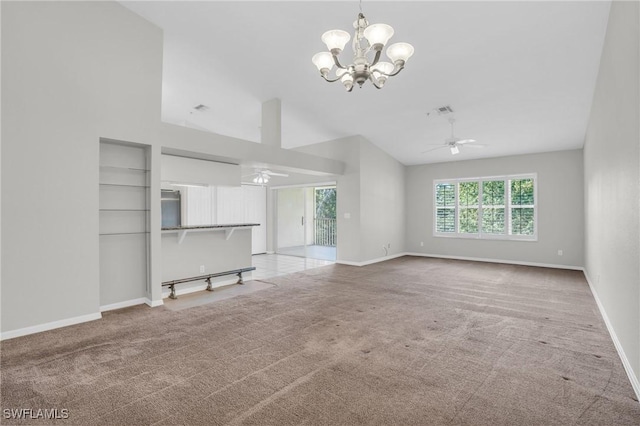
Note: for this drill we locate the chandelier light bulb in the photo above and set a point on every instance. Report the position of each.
(323, 60)
(378, 35)
(400, 52)
(336, 40)
(347, 80)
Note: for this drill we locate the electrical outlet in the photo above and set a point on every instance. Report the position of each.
(560, 252)
(202, 269)
(421, 243)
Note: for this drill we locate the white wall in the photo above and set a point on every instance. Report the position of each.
(612, 188)
(560, 209)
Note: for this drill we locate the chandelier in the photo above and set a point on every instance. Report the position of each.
(367, 38)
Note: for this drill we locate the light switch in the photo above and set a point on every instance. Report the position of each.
(347, 215)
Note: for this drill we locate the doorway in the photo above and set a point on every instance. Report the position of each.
(306, 222)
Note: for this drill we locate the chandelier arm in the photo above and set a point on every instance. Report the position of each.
(373, 81)
(337, 62)
(400, 68)
(330, 80)
(376, 59)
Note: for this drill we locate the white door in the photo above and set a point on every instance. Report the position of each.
(291, 238)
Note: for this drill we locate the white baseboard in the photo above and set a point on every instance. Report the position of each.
(369, 262)
(635, 383)
(509, 262)
(198, 287)
(49, 326)
(124, 304)
(153, 303)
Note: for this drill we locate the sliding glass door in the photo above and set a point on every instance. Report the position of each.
(306, 222)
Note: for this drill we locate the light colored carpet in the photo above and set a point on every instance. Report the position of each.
(409, 341)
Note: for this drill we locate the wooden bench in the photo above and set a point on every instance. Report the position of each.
(207, 279)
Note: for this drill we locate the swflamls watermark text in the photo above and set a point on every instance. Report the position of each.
(35, 413)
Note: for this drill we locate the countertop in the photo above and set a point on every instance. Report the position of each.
(229, 225)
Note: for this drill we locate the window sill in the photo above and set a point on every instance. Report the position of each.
(488, 237)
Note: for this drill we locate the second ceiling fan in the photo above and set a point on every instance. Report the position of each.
(454, 143)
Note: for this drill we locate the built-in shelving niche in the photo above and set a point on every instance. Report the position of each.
(124, 223)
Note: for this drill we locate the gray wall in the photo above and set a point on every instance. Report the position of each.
(348, 193)
(382, 203)
(611, 175)
(208, 248)
(370, 199)
(67, 73)
(560, 209)
(72, 73)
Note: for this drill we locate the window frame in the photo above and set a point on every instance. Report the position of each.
(507, 206)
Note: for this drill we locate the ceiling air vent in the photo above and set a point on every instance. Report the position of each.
(444, 110)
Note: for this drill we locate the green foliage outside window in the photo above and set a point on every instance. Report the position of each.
(468, 203)
(326, 203)
(493, 206)
(522, 202)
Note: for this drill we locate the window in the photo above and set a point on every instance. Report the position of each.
(498, 207)
(445, 207)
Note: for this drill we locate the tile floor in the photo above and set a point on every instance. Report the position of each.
(274, 265)
(313, 252)
(267, 266)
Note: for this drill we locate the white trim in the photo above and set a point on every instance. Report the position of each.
(509, 262)
(124, 304)
(199, 287)
(306, 185)
(369, 262)
(635, 384)
(49, 326)
(153, 303)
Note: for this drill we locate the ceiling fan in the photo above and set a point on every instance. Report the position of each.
(454, 143)
(262, 176)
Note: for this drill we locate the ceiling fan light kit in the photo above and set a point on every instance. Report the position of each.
(262, 177)
(454, 143)
(367, 38)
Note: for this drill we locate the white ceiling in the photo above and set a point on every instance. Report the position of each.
(520, 76)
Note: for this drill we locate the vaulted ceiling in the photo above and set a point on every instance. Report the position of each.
(519, 76)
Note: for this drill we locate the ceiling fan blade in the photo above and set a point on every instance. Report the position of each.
(433, 149)
(463, 141)
(270, 173)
